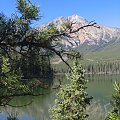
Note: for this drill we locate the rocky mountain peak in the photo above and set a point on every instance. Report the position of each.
(91, 35)
(77, 18)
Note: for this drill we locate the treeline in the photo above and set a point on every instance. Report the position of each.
(103, 68)
(32, 64)
(100, 67)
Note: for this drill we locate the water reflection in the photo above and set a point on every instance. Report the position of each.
(100, 87)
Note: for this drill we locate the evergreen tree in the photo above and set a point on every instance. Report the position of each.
(72, 98)
(115, 114)
(10, 83)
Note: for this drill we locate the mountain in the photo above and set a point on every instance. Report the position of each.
(92, 41)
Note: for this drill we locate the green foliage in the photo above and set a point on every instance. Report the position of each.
(116, 96)
(115, 114)
(17, 28)
(34, 65)
(27, 10)
(72, 98)
(10, 83)
(112, 116)
(19, 40)
(44, 35)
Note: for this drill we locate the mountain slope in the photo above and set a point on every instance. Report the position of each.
(90, 35)
(93, 42)
(103, 43)
(111, 52)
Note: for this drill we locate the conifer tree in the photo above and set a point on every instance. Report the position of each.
(72, 98)
(10, 83)
(115, 114)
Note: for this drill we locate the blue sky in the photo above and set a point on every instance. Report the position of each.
(105, 12)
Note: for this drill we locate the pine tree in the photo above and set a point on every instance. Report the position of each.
(72, 98)
(10, 83)
(115, 114)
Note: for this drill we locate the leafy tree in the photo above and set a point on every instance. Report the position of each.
(72, 98)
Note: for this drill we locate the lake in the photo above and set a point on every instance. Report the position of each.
(99, 86)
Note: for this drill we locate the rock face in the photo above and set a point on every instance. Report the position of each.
(90, 36)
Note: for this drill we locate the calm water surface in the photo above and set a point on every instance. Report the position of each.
(100, 87)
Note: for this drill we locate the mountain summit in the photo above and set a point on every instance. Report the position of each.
(98, 41)
(91, 35)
